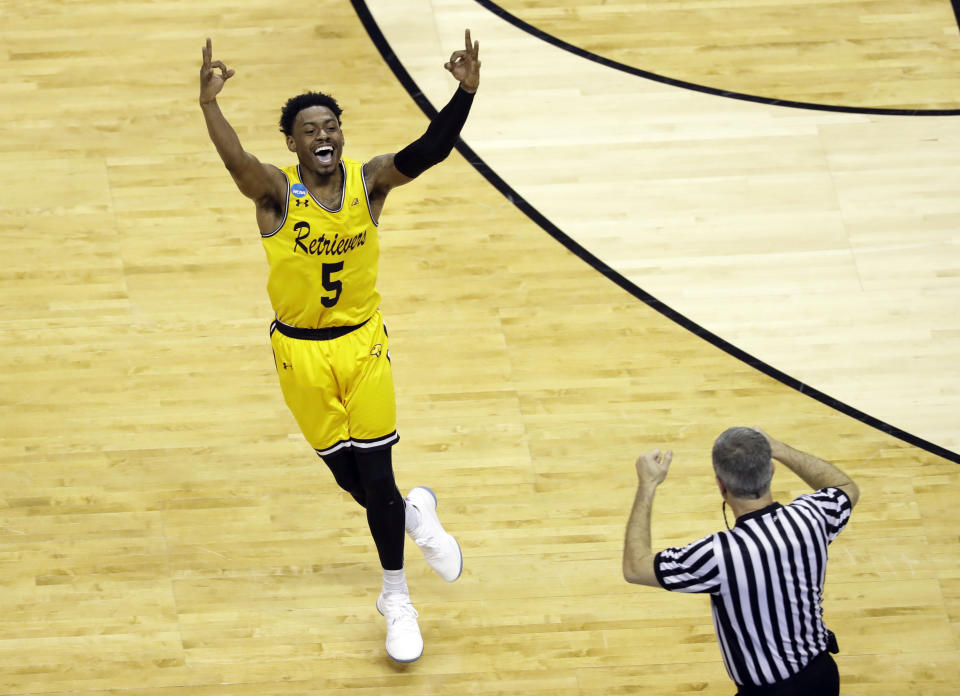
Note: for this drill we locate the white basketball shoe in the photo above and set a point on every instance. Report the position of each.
(439, 547)
(404, 643)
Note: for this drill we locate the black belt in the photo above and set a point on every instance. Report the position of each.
(325, 334)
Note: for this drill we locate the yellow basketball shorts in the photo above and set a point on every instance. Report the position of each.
(339, 389)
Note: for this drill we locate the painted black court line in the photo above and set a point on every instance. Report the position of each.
(956, 11)
(380, 41)
(623, 67)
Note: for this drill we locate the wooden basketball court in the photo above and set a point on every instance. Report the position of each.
(167, 532)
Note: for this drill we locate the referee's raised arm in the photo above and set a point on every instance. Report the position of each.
(813, 471)
(638, 556)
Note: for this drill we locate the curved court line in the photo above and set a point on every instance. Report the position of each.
(623, 67)
(408, 83)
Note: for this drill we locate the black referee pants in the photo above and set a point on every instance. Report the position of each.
(819, 678)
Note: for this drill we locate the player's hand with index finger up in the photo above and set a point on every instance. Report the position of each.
(464, 65)
(212, 81)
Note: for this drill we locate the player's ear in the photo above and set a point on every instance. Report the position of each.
(291, 144)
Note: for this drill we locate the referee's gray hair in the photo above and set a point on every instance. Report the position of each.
(741, 460)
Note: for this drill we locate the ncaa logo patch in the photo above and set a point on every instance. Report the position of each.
(298, 190)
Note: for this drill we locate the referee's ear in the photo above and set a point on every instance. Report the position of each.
(723, 489)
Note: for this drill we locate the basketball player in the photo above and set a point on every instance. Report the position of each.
(318, 221)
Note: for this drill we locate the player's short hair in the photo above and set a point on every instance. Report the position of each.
(294, 105)
(741, 460)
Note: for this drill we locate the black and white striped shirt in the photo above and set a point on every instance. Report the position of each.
(765, 579)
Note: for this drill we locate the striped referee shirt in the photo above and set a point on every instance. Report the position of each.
(765, 580)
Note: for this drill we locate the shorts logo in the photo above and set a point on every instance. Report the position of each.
(376, 350)
(298, 190)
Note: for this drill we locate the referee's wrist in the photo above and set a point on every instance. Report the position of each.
(647, 487)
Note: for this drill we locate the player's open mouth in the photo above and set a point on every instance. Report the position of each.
(324, 153)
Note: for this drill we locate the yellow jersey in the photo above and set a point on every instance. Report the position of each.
(323, 262)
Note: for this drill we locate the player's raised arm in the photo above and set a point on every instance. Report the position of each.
(254, 179)
(387, 171)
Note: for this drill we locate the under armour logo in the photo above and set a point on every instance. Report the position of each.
(287, 366)
(376, 350)
(306, 204)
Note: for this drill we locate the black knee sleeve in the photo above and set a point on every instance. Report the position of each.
(375, 471)
(385, 509)
(343, 466)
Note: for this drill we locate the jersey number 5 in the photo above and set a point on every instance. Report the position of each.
(334, 286)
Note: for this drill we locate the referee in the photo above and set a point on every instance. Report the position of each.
(765, 576)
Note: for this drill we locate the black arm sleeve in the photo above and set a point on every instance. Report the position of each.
(436, 143)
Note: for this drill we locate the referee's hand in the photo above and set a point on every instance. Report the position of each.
(776, 447)
(652, 466)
